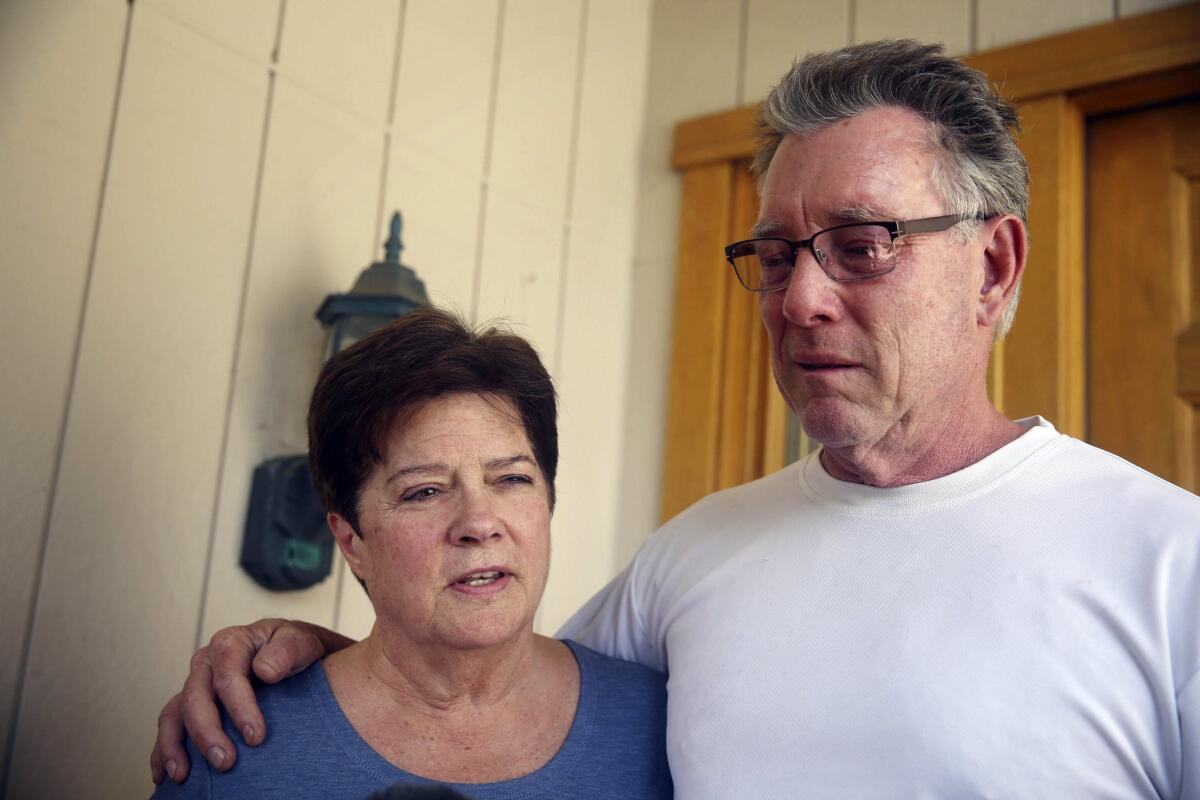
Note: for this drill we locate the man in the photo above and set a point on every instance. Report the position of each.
(941, 602)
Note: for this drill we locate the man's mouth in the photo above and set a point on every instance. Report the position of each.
(810, 366)
(481, 578)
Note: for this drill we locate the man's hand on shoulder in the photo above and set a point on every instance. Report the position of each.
(274, 649)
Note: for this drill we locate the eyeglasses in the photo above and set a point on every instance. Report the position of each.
(853, 252)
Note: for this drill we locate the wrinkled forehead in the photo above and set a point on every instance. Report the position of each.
(878, 164)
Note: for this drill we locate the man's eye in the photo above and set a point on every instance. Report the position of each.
(774, 261)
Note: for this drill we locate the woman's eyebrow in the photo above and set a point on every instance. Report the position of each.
(417, 468)
(508, 461)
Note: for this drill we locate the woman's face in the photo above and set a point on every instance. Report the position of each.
(455, 525)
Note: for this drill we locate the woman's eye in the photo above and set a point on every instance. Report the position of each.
(516, 479)
(424, 493)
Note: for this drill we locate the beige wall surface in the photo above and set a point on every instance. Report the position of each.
(184, 182)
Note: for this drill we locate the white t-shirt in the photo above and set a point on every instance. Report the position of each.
(1028, 627)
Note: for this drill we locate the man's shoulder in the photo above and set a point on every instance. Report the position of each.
(756, 502)
(717, 527)
(1094, 471)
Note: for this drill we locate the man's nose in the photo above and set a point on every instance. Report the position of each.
(477, 520)
(810, 296)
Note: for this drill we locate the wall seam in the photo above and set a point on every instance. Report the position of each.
(569, 201)
(481, 224)
(973, 26)
(743, 36)
(26, 645)
(239, 327)
(389, 122)
(851, 20)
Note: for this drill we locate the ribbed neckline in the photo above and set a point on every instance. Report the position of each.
(958, 487)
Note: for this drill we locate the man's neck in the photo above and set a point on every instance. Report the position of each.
(915, 450)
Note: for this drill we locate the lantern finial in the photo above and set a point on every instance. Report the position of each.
(393, 245)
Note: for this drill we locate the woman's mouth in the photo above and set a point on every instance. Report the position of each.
(481, 578)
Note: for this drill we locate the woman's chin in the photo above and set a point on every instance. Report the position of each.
(483, 628)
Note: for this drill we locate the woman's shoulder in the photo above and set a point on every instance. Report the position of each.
(616, 684)
(599, 666)
(620, 728)
(300, 734)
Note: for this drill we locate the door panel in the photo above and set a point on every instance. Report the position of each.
(1143, 293)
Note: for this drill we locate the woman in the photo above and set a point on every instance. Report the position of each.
(434, 451)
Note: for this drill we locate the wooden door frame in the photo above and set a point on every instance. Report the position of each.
(1057, 82)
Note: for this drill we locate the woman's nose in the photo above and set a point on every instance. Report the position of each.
(477, 521)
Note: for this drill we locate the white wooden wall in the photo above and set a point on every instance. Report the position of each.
(181, 183)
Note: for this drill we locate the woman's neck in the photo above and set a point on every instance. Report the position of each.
(440, 679)
(459, 715)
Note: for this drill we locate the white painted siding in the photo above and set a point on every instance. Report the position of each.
(257, 152)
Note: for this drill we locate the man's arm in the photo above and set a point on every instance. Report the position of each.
(274, 649)
(612, 623)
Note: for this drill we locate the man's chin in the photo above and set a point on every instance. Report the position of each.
(833, 423)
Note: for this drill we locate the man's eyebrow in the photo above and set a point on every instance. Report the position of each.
(508, 461)
(765, 227)
(417, 469)
(862, 214)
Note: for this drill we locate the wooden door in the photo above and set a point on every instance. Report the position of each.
(1060, 84)
(1143, 297)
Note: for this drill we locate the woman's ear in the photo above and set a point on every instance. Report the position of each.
(350, 543)
(1004, 255)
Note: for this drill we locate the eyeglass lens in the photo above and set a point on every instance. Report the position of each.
(850, 253)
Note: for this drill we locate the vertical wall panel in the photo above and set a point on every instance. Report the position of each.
(314, 234)
(1002, 22)
(59, 64)
(945, 21)
(780, 31)
(129, 528)
(435, 170)
(693, 69)
(342, 51)
(527, 192)
(439, 140)
(591, 374)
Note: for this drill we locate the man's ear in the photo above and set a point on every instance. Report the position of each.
(350, 543)
(1004, 254)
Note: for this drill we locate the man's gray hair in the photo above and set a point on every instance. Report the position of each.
(983, 172)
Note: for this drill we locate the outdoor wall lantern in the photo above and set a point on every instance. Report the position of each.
(287, 545)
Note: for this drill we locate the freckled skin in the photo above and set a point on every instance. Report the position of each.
(914, 406)
(422, 531)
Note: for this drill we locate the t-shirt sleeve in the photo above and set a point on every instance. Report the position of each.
(1188, 704)
(197, 786)
(612, 623)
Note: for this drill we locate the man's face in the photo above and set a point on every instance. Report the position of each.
(858, 362)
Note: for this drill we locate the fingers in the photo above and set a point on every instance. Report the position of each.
(291, 647)
(231, 652)
(169, 758)
(201, 717)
